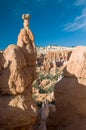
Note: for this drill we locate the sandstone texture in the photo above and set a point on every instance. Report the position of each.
(17, 111)
(70, 93)
(77, 63)
(24, 38)
(17, 72)
(49, 62)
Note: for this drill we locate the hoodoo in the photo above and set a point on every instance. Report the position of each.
(17, 72)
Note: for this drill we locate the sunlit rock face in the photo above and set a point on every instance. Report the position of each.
(77, 63)
(17, 73)
(49, 62)
(26, 42)
(70, 92)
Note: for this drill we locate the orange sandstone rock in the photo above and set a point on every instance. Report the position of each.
(70, 92)
(17, 73)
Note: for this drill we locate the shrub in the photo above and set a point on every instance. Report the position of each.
(41, 76)
(48, 91)
(35, 84)
(51, 89)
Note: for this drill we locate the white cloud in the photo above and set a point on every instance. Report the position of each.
(80, 2)
(79, 23)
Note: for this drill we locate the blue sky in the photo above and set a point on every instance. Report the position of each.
(54, 22)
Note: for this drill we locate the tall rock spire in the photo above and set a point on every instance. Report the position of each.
(17, 73)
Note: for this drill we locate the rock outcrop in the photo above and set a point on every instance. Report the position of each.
(70, 93)
(49, 62)
(17, 73)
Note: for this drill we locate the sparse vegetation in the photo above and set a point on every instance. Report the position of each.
(45, 85)
(35, 85)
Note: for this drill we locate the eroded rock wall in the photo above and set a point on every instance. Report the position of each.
(49, 62)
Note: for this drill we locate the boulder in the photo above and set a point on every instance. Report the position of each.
(16, 74)
(70, 100)
(17, 111)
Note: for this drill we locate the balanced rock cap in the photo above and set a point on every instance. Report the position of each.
(26, 16)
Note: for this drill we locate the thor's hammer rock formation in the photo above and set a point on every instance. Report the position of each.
(17, 73)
